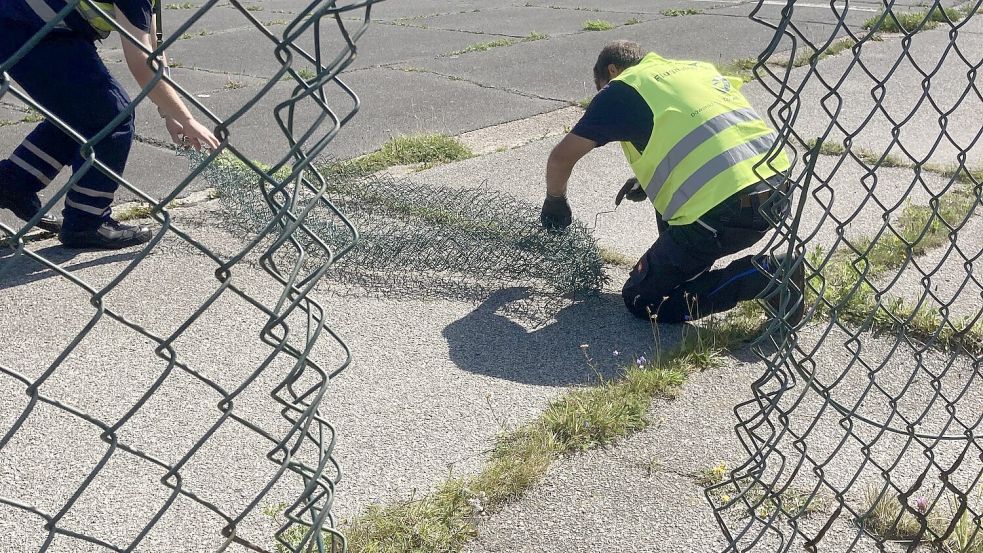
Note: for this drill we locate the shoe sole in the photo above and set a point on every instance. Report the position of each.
(69, 244)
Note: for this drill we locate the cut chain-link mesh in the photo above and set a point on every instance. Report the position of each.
(187, 491)
(420, 240)
(863, 431)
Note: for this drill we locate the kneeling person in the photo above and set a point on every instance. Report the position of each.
(700, 154)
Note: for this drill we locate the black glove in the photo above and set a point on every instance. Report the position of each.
(631, 190)
(556, 213)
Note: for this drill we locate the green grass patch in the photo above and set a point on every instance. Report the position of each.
(633, 21)
(741, 68)
(254, 8)
(587, 417)
(500, 43)
(797, 503)
(908, 22)
(306, 73)
(33, 116)
(680, 12)
(422, 150)
(922, 521)
(7, 122)
(182, 6)
(233, 84)
(612, 257)
(483, 46)
(806, 58)
(597, 25)
(844, 284)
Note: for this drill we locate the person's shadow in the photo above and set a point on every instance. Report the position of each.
(17, 269)
(489, 343)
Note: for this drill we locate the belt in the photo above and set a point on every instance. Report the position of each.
(760, 192)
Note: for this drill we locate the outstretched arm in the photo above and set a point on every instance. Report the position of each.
(560, 164)
(178, 119)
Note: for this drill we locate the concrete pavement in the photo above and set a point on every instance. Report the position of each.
(434, 381)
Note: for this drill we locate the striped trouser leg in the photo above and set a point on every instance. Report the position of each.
(64, 74)
(38, 159)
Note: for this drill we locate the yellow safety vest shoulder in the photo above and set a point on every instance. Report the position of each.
(95, 19)
(85, 8)
(707, 141)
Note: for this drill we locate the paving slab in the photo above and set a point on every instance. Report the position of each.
(255, 54)
(946, 278)
(568, 76)
(449, 106)
(642, 493)
(917, 122)
(516, 21)
(601, 8)
(446, 386)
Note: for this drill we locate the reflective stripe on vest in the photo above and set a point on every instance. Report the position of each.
(45, 12)
(85, 8)
(707, 141)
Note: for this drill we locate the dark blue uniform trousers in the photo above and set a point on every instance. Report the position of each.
(673, 282)
(64, 74)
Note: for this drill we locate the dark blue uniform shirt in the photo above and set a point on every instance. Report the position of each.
(137, 12)
(618, 113)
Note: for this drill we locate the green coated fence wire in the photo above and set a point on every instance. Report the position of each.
(864, 429)
(420, 240)
(232, 434)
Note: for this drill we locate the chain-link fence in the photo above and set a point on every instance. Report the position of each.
(863, 432)
(163, 408)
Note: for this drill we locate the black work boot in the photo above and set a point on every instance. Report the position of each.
(796, 294)
(26, 206)
(110, 235)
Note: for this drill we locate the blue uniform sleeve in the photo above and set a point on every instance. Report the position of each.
(137, 12)
(618, 113)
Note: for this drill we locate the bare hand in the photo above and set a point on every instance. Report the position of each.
(191, 133)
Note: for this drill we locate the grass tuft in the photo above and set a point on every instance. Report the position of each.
(588, 417)
(680, 12)
(806, 58)
(598, 25)
(908, 22)
(633, 21)
(502, 42)
(741, 67)
(422, 150)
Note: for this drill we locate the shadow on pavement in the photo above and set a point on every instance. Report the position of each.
(487, 342)
(18, 270)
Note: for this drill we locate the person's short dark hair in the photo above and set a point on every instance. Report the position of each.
(622, 53)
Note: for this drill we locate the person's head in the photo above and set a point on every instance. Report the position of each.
(615, 58)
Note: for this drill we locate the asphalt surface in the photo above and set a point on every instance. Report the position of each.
(435, 381)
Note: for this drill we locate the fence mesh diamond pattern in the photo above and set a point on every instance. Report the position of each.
(179, 436)
(863, 432)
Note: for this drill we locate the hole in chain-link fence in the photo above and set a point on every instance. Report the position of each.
(863, 432)
(168, 398)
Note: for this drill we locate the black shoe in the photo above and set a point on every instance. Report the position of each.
(26, 206)
(111, 235)
(796, 296)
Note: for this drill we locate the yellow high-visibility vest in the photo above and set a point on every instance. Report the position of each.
(99, 24)
(95, 19)
(707, 141)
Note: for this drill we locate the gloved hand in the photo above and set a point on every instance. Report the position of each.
(631, 190)
(556, 213)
